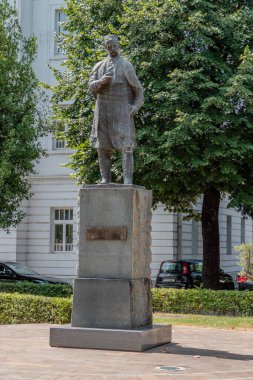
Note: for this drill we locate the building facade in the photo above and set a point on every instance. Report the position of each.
(46, 239)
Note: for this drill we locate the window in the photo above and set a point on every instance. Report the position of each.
(5, 272)
(63, 230)
(169, 266)
(60, 17)
(195, 237)
(58, 142)
(229, 234)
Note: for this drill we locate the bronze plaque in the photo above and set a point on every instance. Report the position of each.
(106, 233)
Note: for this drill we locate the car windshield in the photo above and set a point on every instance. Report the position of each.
(168, 267)
(21, 269)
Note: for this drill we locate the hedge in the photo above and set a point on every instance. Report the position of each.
(203, 301)
(46, 290)
(19, 308)
(23, 308)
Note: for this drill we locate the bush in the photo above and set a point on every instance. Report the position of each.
(17, 308)
(23, 308)
(46, 290)
(203, 301)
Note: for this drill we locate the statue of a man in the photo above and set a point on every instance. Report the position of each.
(119, 96)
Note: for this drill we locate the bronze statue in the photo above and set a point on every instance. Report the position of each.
(119, 96)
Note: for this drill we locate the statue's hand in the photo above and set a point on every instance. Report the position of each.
(106, 79)
(132, 110)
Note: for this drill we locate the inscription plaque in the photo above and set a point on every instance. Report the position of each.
(106, 233)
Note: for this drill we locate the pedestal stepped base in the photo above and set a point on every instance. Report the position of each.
(110, 339)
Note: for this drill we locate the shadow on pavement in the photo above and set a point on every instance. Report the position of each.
(176, 349)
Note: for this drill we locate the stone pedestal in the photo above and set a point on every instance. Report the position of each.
(112, 304)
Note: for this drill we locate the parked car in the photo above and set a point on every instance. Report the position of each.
(244, 283)
(187, 274)
(13, 271)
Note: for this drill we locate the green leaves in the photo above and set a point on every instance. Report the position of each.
(46, 290)
(246, 259)
(203, 301)
(20, 308)
(194, 59)
(21, 120)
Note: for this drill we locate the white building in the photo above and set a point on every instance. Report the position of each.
(45, 240)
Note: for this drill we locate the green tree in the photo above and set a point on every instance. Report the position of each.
(246, 259)
(20, 117)
(195, 131)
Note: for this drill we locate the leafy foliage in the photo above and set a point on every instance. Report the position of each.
(194, 59)
(246, 259)
(17, 308)
(46, 290)
(20, 116)
(24, 308)
(203, 301)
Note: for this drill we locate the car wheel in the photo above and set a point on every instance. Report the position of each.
(230, 286)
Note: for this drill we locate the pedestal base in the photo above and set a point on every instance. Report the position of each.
(110, 339)
(111, 303)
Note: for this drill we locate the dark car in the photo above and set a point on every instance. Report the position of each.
(13, 271)
(244, 283)
(185, 274)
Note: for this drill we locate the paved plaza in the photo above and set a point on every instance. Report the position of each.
(195, 353)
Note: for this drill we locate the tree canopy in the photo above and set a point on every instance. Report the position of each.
(195, 131)
(20, 117)
(246, 259)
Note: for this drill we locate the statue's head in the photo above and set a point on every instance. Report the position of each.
(112, 45)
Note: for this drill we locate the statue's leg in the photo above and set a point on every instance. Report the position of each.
(128, 165)
(105, 164)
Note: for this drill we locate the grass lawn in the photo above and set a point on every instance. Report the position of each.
(239, 323)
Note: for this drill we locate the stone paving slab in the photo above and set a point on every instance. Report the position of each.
(194, 354)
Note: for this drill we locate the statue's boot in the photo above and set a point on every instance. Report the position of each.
(128, 166)
(105, 165)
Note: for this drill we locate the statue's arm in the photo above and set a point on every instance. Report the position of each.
(135, 84)
(95, 85)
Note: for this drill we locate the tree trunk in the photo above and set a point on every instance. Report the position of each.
(211, 238)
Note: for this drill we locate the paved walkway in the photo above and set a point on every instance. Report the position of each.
(195, 353)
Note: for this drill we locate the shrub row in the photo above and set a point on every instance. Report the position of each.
(203, 301)
(46, 290)
(19, 308)
(23, 308)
